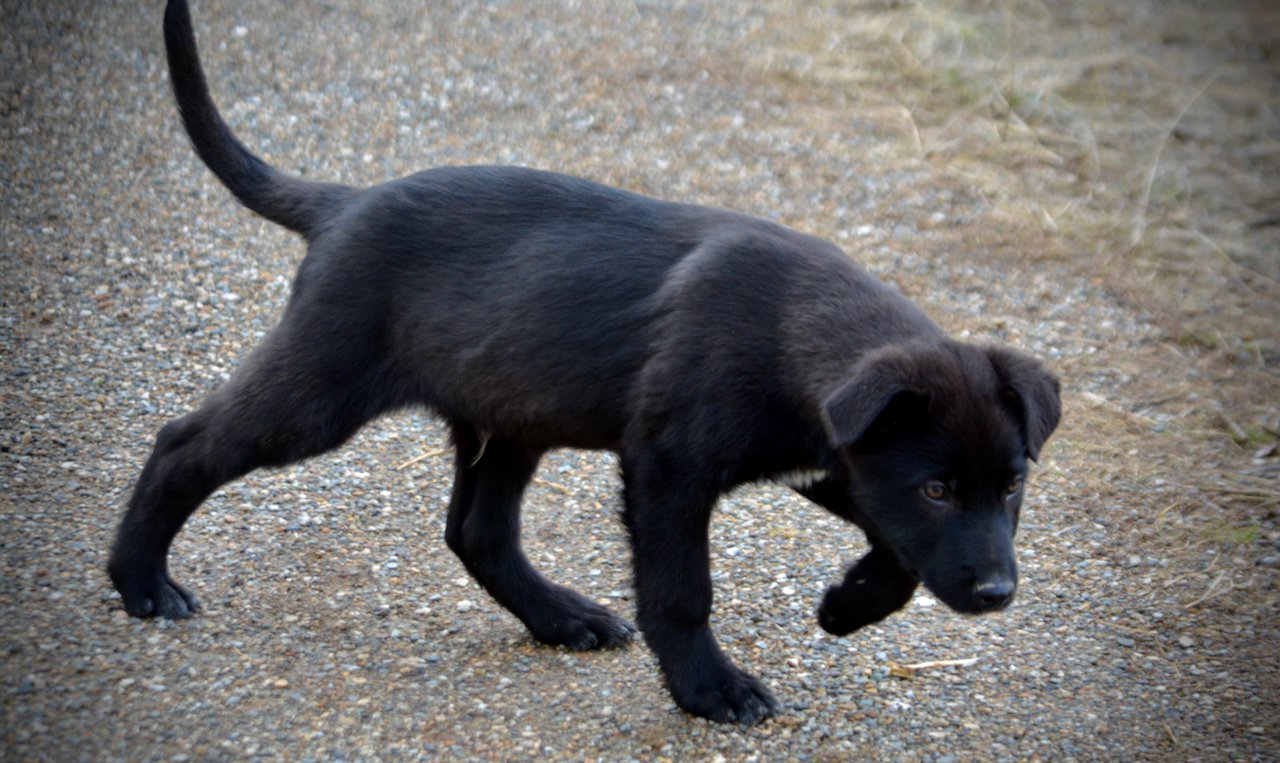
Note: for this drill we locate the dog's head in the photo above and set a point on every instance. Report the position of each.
(937, 438)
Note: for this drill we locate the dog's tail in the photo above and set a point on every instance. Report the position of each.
(299, 205)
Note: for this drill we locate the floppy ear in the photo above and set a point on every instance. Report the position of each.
(1032, 392)
(855, 406)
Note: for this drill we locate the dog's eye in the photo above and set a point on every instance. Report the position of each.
(1014, 486)
(935, 491)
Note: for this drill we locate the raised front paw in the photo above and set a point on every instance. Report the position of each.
(850, 605)
(841, 613)
(873, 589)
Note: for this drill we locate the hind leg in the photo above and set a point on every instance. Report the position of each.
(284, 405)
(484, 531)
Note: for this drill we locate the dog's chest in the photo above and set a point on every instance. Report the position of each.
(800, 478)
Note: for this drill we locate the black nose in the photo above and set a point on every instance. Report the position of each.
(994, 593)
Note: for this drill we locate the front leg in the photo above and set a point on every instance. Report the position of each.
(873, 589)
(668, 520)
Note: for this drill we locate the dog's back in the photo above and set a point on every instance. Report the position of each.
(591, 271)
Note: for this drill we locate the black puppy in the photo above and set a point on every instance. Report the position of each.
(532, 310)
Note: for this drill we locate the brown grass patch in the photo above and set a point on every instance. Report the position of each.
(1137, 146)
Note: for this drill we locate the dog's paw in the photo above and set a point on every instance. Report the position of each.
(602, 630)
(840, 621)
(724, 693)
(575, 622)
(873, 589)
(159, 597)
(849, 606)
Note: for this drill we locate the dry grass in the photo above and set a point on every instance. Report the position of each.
(1171, 143)
(1142, 151)
(1155, 163)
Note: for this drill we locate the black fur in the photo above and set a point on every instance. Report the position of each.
(533, 310)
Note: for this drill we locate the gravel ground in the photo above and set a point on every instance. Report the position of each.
(336, 626)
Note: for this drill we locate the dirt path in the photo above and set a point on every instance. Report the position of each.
(1094, 183)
